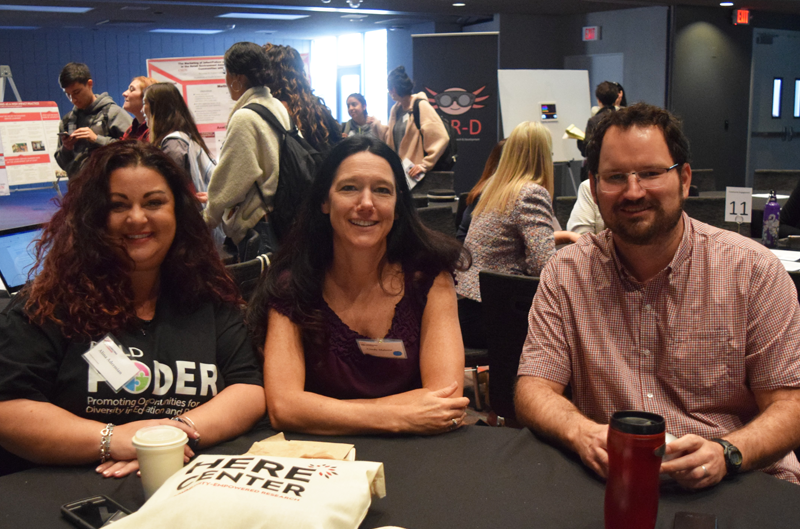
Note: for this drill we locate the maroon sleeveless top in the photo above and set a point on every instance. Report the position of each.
(342, 371)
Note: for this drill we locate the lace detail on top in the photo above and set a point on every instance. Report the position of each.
(344, 372)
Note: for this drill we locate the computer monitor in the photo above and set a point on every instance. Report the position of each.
(16, 255)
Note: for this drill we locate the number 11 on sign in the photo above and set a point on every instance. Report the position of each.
(738, 204)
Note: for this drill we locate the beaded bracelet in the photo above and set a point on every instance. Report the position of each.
(105, 443)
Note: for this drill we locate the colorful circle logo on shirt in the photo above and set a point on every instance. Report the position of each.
(141, 381)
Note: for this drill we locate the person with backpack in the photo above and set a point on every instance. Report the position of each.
(423, 141)
(242, 189)
(174, 131)
(94, 121)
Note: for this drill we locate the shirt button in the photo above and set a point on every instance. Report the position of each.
(647, 308)
(649, 395)
(646, 352)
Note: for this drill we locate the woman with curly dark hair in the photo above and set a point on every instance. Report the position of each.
(127, 254)
(358, 313)
(290, 85)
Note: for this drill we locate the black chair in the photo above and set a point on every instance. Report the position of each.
(247, 274)
(473, 360)
(506, 302)
(438, 218)
(462, 205)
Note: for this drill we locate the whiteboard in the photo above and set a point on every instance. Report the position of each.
(521, 91)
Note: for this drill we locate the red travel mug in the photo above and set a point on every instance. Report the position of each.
(632, 487)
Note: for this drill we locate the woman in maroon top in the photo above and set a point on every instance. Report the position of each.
(135, 105)
(358, 313)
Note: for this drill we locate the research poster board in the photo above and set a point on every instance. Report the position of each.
(522, 92)
(201, 80)
(28, 141)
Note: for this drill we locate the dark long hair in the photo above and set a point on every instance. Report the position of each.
(488, 170)
(169, 113)
(248, 59)
(83, 283)
(297, 274)
(288, 83)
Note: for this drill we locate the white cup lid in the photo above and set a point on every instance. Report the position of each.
(162, 436)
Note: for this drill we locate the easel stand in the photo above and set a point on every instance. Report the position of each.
(5, 75)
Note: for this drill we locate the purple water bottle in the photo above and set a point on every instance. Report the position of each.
(772, 221)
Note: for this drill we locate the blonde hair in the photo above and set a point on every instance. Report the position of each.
(527, 157)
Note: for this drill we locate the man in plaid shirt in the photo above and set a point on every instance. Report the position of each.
(664, 314)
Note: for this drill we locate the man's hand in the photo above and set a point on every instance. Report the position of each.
(68, 142)
(414, 171)
(591, 445)
(84, 133)
(701, 465)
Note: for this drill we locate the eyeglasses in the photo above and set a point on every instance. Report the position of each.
(646, 178)
(463, 98)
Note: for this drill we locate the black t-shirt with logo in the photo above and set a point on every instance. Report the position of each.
(183, 359)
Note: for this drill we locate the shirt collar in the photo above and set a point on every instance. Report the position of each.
(682, 254)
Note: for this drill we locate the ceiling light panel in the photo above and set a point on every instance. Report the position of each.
(262, 16)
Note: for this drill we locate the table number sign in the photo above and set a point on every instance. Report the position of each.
(738, 204)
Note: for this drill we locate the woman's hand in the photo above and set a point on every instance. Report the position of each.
(123, 453)
(414, 171)
(432, 412)
(202, 197)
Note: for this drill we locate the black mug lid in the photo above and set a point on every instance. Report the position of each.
(638, 422)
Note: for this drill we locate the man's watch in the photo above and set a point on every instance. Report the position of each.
(733, 457)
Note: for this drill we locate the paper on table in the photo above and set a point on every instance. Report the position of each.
(791, 266)
(786, 255)
(278, 446)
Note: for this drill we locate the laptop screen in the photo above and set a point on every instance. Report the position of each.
(16, 255)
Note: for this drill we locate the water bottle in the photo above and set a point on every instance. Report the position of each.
(631, 500)
(772, 221)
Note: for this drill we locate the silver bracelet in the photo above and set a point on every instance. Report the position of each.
(105, 443)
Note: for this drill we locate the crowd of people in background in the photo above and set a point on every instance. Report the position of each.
(360, 324)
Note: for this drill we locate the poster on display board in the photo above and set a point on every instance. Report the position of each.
(28, 141)
(458, 73)
(201, 81)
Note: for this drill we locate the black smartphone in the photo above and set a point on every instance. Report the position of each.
(695, 520)
(64, 134)
(94, 512)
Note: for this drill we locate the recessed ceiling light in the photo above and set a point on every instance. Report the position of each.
(459, 4)
(45, 9)
(726, 4)
(262, 16)
(19, 27)
(189, 31)
(352, 15)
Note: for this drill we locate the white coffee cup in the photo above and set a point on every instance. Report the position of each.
(159, 450)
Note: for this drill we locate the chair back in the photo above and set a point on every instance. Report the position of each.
(248, 274)
(439, 218)
(506, 302)
(462, 206)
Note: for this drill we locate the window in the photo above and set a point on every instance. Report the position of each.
(776, 97)
(351, 63)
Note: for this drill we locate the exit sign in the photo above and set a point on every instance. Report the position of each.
(741, 17)
(591, 33)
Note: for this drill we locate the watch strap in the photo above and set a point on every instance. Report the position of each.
(727, 452)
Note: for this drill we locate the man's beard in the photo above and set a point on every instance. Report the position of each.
(637, 231)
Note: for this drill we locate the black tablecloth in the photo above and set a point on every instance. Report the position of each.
(477, 477)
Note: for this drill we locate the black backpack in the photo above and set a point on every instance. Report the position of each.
(450, 155)
(297, 164)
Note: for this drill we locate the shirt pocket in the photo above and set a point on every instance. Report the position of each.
(699, 369)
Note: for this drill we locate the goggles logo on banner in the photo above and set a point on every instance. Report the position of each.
(457, 101)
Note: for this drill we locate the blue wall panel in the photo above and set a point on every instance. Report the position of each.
(114, 56)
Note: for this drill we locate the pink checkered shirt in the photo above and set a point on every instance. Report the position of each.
(689, 344)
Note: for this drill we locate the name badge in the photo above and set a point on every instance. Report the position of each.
(108, 359)
(405, 117)
(383, 348)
